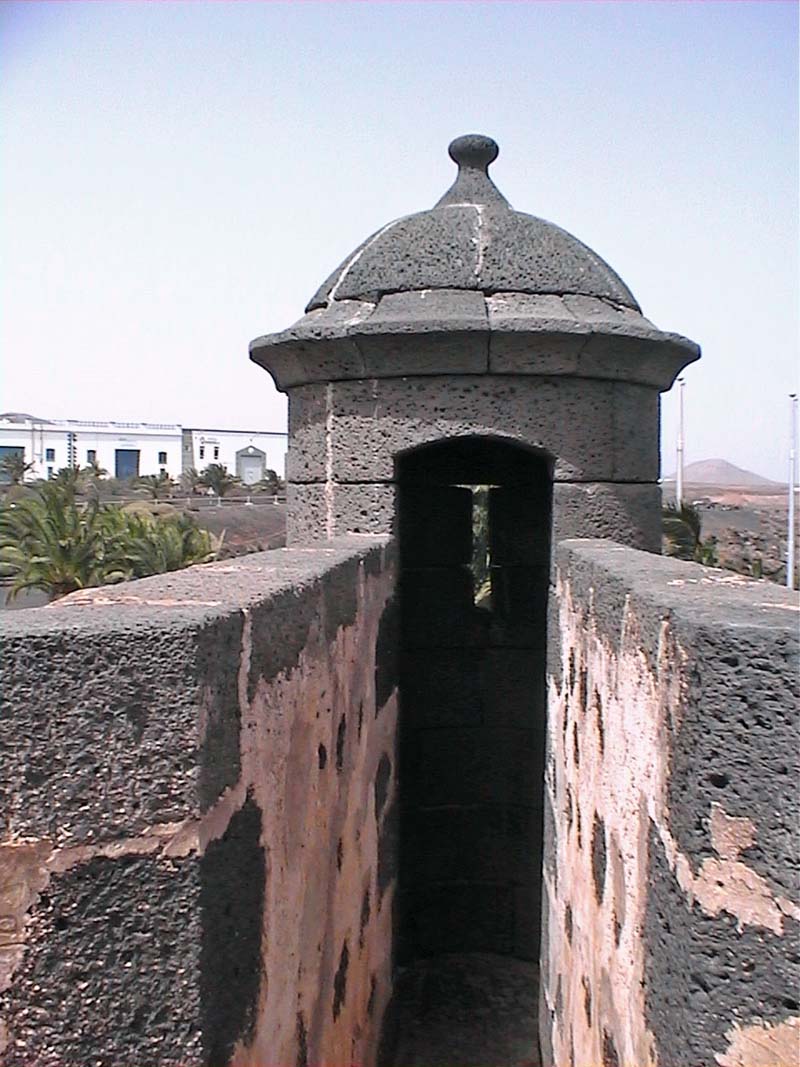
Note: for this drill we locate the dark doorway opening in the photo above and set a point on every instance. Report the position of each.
(126, 463)
(474, 537)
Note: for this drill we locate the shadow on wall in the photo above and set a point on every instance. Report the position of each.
(232, 904)
(472, 689)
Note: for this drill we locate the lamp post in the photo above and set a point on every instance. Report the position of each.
(792, 471)
(679, 450)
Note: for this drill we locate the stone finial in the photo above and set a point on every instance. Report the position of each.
(473, 152)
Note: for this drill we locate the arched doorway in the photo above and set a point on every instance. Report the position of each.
(474, 538)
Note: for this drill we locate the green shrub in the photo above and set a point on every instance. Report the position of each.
(51, 541)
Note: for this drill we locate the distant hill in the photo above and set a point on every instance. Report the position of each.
(719, 472)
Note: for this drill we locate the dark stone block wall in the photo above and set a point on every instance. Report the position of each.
(346, 436)
(472, 700)
(198, 800)
(671, 911)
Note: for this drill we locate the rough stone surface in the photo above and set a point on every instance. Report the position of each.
(317, 513)
(672, 914)
(702, 966)
(478, 245)
(85, 753)
(126, 938)
(433, 331)
(597, 431)
(628, 514)
(430, 250)
(524, 254)
(432, 353)
(113, 977)
(467, 1010)
(438, 310)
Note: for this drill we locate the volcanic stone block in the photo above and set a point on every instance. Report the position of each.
(146, 959)
(99, 731)
(742, 751)
(316, 347)
(457, 918)
(432, 309)
(369, 423)
(519, 605)
(438, 609)
(637, 411)
(441, 690)
(112, 968)
(435, 331)
(533, 335)
(411, 253)
(435, 526)
(308, 412)
(513, 688)
(448, 352)
(511, 310)
(474, 766)
(551, 260)
(488, 843)
(702, 970)
(520, 524)
(320, 513)
(628, 514)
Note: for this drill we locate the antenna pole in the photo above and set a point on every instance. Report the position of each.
(792, 472)
(679, 450)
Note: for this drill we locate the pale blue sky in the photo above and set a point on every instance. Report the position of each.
(178, 178)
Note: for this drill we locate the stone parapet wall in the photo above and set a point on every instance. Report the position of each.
(197, 853)
(671, 899)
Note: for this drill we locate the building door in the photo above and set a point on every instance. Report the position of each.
(126, 463)
(250, 465)
(252, 469)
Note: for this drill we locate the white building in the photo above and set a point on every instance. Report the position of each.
(131, 449)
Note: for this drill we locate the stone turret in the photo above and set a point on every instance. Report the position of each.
(473, 319)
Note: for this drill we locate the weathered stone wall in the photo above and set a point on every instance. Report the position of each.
(671, 918)
(345, 436)
(197, 861)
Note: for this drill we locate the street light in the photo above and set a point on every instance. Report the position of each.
(679, 450)
(792, 472)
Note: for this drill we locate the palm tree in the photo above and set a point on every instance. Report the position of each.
(49, 541)
(149, 544)
(683, 535)
(217, 478)
(155, 484)
(91, 475)
(270, 483)
(190, 479)
(14, 467)
(68, 478)
(480, 546)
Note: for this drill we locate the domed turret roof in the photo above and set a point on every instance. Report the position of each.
(473, 287)
(472, 239)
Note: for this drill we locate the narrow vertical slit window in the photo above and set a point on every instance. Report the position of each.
(481, 561)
